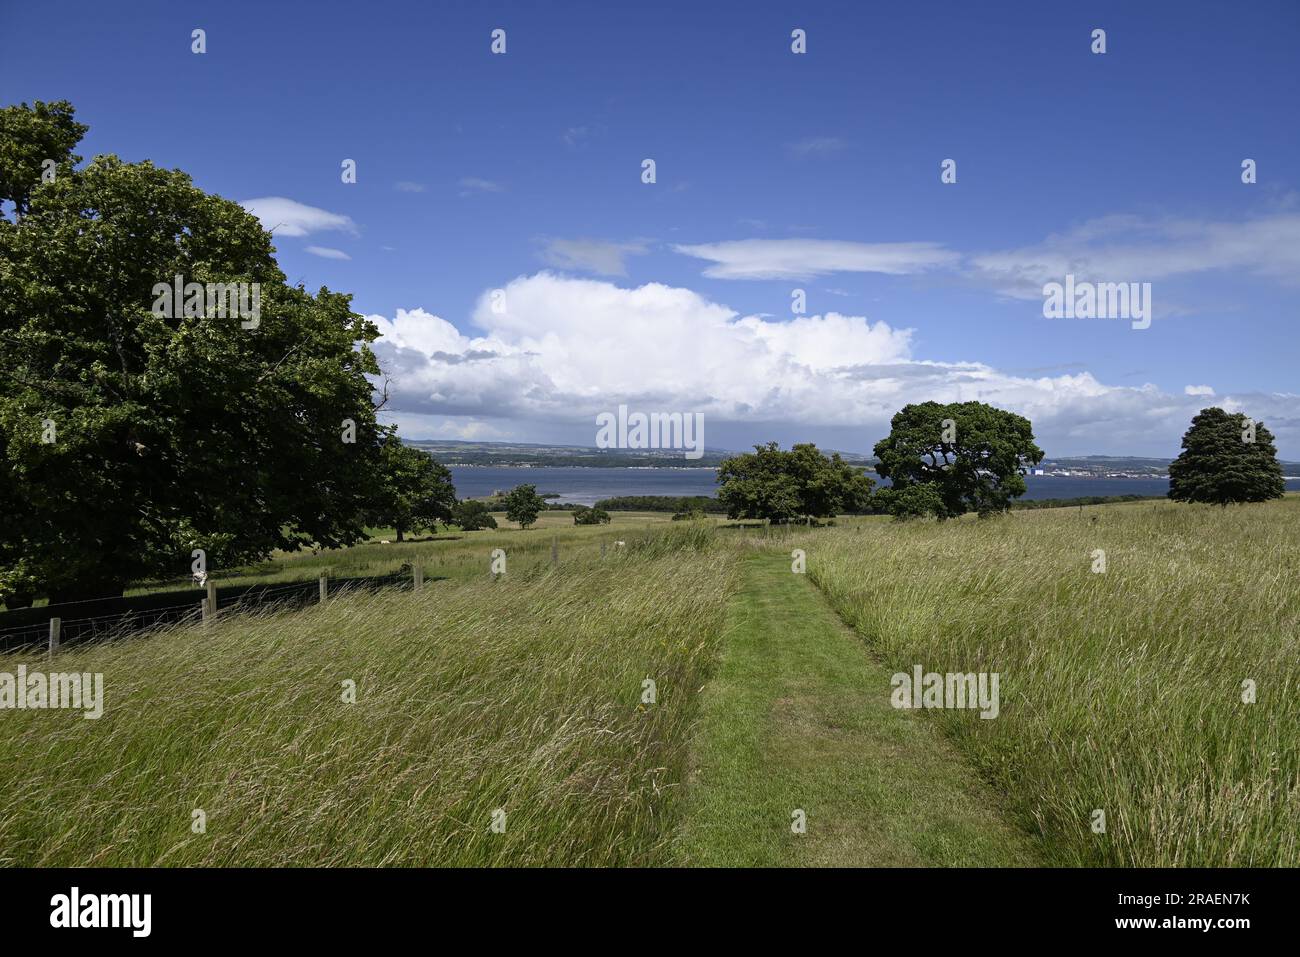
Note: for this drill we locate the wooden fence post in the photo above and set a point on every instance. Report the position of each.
(324, 586)
(205, 611)
(418, 572)
(555, 550)
(602, 551)
(212, 598)
(56, 626)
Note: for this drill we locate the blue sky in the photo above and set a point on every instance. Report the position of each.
(775, 172)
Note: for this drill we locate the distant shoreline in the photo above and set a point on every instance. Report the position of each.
(621, 468)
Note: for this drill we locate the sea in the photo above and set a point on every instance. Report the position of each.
(586, 486)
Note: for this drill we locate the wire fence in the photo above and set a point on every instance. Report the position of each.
(25, 628)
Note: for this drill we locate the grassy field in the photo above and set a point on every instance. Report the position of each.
(450, 553)
(1121, 690)
(523, 694)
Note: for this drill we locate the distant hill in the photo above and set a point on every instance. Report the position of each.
(537, 454)
(456, 452)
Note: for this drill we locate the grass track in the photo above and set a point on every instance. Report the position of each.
(798, 716)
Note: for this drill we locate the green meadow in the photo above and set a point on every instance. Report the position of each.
(687, 699)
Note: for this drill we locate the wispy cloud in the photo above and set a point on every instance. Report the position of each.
(1124, 248)
(591, 255)
(806, 258)
(1198, 390)
(324, 252)
(815, 146)
(406, 186)
(288, 217)
(1118, 248)
(473, 184)
(576, 136)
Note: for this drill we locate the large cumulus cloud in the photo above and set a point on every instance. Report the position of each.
(556, 348)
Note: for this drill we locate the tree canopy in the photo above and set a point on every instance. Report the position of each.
(523, 505)
(585, 515)
(36, 144)
(416, 491)
(970, 454)
(128, 438)
(1226, 458)
(472, 516)
(781, 485)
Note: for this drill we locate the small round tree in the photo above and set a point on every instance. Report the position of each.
(1227, 458)
(583, 515)
(523, 505)
(473, 516)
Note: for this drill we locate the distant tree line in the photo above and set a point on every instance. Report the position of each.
(662, 503)
(597, 458)
(1083, 500)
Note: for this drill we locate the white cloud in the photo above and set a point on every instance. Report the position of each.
(414, 426)
(324, 252)
(565, 349)
(591, 255)
(806, 258)
(1116, 248)
(288, 217)
(1198, 390)
(406, 186)
(473, 184)
(1133, 249)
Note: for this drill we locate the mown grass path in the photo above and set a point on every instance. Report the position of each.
(798, 717)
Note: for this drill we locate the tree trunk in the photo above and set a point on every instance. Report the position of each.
(400, 532)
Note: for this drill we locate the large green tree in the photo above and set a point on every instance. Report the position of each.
(1226, 458)
(416, 491)
(131, 435)
(972, 455)
(779, 485)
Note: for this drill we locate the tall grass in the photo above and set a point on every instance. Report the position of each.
(523, 694)
(1121, 691)
(451, 553)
